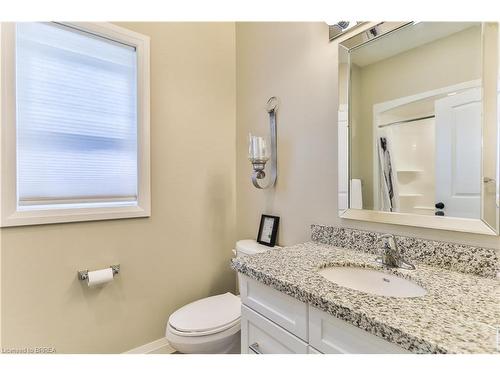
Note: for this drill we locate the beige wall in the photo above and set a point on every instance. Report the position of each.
(179, 254)
(295, 62)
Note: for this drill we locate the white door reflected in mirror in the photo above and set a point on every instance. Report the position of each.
(458, 154)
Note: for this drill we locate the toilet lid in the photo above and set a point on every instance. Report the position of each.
(207, 314)
(250, 247)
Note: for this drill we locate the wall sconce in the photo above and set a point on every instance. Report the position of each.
(337, 28)
(259, 153)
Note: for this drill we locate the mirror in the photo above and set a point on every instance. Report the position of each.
(418, 128)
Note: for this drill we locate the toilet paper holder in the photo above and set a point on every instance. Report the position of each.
(84, 275)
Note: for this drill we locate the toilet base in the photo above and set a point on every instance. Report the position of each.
(226, 342)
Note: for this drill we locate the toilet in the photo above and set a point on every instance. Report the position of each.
(210, 325)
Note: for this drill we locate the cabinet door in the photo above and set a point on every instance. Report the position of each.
(335, 336)
(261, 336)
(286, 311)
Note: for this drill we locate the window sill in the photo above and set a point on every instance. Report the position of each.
(31, 216)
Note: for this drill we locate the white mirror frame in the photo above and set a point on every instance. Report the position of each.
(355, 38)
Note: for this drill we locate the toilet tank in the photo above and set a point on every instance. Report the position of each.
(250, 247)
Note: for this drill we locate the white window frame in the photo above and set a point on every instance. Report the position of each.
(10, 215)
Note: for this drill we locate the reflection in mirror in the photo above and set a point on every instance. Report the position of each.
(411, 122)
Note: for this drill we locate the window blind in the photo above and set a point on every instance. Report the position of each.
(76, 117)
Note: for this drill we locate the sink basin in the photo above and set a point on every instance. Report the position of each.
(372, 281)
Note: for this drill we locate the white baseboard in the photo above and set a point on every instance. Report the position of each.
(160, 346)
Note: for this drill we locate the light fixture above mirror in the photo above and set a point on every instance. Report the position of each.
(337, 28)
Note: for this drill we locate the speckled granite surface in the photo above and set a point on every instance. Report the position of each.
(452, 256)
(459, 314)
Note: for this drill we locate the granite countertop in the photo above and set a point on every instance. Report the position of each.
(459, 314)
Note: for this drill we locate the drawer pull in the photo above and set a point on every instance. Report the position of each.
(255, 348)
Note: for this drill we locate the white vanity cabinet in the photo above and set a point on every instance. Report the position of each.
(275, 323)
(260, 335)
(332, 335)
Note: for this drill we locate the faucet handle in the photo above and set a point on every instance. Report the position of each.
(386, 241)
(383, 247)
(390, 254)
(385, 235)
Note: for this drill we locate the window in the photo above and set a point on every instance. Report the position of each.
(76, 124)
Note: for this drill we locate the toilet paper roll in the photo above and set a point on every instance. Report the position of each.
(99, 277)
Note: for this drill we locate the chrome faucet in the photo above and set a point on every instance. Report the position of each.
(390, 255)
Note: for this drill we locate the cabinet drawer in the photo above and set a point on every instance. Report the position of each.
(261, 336)
(331, 335)
(286, 311)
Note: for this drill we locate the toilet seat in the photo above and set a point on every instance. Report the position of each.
(223, 342)
(206, 316)
(204, 333)
(209, 325)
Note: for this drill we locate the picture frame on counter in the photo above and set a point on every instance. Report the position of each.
(268, 230)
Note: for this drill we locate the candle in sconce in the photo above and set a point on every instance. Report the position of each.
(263, 149)
(257, 149)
